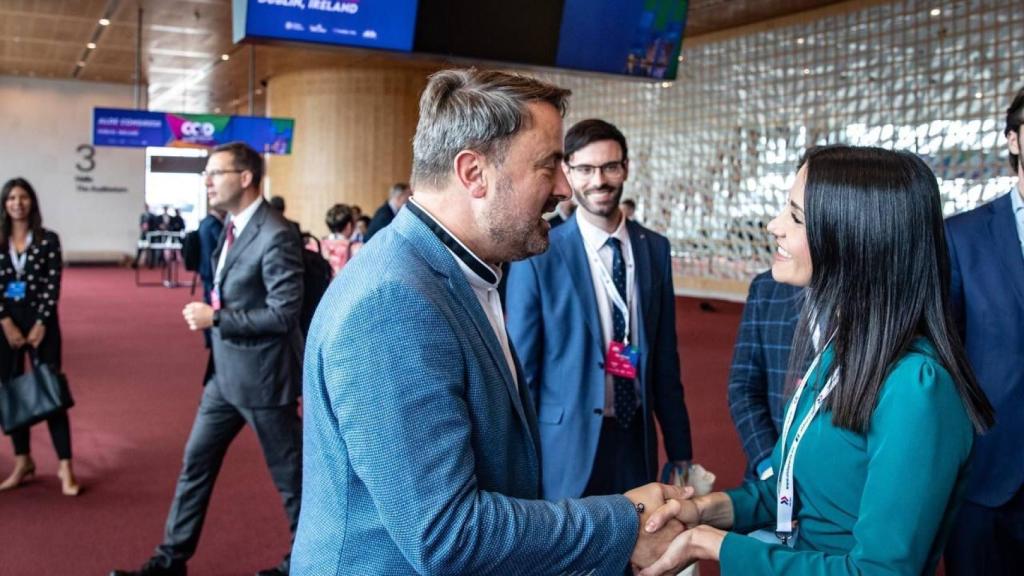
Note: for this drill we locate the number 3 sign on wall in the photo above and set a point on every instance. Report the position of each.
(88, 160)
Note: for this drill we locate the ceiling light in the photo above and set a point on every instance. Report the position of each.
(91, 45)
(799, 40)
(807, 71)
(225, 57)
(979, 95)
(104, 22)
(936, 11)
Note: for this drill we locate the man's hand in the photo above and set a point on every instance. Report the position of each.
(651, 545)
(15, 339)
(700, 543)
(198, 315)
(36, 335)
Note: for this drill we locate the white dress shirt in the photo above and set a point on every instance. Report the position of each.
(599, 253)
(1017, 203)
(239, 222)
(486, 293)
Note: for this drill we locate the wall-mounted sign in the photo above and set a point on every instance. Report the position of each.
(139, 128)
(386, 24)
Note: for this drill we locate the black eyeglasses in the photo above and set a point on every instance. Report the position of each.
(215, 173)
(609, 169)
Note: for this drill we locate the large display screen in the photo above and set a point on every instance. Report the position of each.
(632, 37)
(384, 24)
(139, 128)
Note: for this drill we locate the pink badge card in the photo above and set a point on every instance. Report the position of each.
(621, 360)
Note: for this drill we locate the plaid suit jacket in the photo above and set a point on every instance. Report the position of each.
(760, 362)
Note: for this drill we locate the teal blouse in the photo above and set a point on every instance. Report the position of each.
(876, 503)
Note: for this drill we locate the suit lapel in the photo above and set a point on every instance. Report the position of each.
(252, 229)
(570, 245)
(1006, 244)
(644, 271)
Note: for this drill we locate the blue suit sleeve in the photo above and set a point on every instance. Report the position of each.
(406, 404)
(669, 404)
(525, 322)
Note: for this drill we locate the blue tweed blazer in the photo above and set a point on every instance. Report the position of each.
(420, 452)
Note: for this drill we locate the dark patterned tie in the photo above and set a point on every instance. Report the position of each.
(625, 393)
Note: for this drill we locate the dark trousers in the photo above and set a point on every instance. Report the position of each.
(619, 465)
(987, 541)
(217, 422)
(12, 363)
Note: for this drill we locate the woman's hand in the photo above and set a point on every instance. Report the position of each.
(700, 543)
(15, 339)
(36, 335)
(714, 509)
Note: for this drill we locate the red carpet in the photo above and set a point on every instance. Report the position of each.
(135, 371)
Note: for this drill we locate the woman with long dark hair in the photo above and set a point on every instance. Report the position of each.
(30, 273)
(872, 462)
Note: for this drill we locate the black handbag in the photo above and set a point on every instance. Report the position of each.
(33, 396)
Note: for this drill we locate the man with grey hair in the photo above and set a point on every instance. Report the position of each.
(421, 441)
(397, 197)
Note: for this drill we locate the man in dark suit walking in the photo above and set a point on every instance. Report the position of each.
(593, 321)
(986, 248)
(397, 198)
(257, 350)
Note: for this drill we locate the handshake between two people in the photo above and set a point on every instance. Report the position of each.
(676, 528)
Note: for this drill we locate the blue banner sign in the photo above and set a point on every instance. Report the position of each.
(140, 128)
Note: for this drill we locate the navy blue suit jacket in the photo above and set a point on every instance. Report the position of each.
(381, 218)
(760, 363)
(554, 324)
(210, 230)
(987, 294)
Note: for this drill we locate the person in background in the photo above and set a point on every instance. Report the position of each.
(628, 207)
(563, 212)
(362, 224)
(336, 246)
(397, 197)
(357, 212)
(757, 377)
(257, 357)
(986, 246)
(277, 203)
(871, 466)
(605, 285)
(30, 274)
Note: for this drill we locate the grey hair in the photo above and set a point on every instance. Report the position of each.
(475, 110)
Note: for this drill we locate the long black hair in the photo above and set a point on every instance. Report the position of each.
(880, 276)
(35, 217)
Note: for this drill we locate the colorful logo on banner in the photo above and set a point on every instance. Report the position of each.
(139, 128)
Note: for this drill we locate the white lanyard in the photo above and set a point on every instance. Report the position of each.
(784, 510)
(613, 292)
(19, 260)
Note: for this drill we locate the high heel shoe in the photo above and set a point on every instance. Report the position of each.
(69, 486)
(20, 474)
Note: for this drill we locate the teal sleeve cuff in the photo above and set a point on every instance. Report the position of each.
(762, 467)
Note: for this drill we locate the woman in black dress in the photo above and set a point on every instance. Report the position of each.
(30, 271)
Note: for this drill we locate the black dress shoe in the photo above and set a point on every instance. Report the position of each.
(156, 566)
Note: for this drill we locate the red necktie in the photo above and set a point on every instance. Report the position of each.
(230, 238)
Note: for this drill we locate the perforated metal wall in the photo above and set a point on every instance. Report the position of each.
(714, 153)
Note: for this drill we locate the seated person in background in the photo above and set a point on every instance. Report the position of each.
(361, 225)
(757, 377)
(871, 464)
(336, 246)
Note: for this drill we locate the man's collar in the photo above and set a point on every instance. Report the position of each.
(244, 216)
(468, 261)
(1015, 200)
(597, 237)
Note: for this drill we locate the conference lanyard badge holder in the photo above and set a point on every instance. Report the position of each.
(16, 290)
(621, 360)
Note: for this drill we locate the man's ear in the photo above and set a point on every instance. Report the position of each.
(1013, 142)
(469, 172)
(245, 179)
